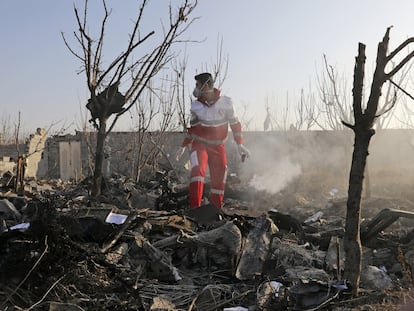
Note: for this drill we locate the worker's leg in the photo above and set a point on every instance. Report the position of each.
(218, 172)
(198, 159)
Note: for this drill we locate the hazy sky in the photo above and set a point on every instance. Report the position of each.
(274, 48)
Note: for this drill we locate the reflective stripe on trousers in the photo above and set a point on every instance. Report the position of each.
(215, 157)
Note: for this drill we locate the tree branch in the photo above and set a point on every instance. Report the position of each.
(399, 48)
(401, 89)
(357, 89)
(400, 65)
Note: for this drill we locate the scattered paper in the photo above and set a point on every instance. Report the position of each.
(117, 219)
(22, 226)
(276, 287)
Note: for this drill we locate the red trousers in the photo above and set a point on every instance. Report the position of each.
(215, 157)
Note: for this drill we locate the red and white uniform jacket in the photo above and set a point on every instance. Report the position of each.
(210, 121)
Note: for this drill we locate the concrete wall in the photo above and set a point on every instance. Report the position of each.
(36, 163)
(12, 151)
(73, 167)
(32, 151)
(6, 164)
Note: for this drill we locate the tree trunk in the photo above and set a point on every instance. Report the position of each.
(352, 241)
(99, 158)
(363, 134)
(363, 129)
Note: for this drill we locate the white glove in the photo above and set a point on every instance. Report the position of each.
(179, 153)
(243, 151)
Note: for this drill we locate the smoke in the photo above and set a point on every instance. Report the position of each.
(316, 164)
(277, 177)
(309, 161)
(273, 163)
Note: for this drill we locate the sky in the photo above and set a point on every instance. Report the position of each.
(274, 49)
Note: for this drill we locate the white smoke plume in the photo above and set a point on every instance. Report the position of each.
(276, 178)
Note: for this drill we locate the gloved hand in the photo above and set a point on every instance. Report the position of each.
(243, 151)
(179, 153)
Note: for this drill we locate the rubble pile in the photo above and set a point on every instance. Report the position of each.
(138, 247)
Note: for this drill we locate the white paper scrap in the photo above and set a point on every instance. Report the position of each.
(117, 219)
(276, 287)
(23, 226)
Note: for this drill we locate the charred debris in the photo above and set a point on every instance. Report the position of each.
(139, 247)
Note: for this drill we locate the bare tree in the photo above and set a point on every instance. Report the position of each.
(333, 95)
(393, 97)
(406, 118)
(11, 132)
(128, 70)
(244, 117)
(279, 119)
(303, 114)
(182, 96)
(155, 111)
(6, 130)
(306, 111)
(363, 129)
(218, 66)
(335, 105)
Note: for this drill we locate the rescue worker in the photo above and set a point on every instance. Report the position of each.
(211, 115)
